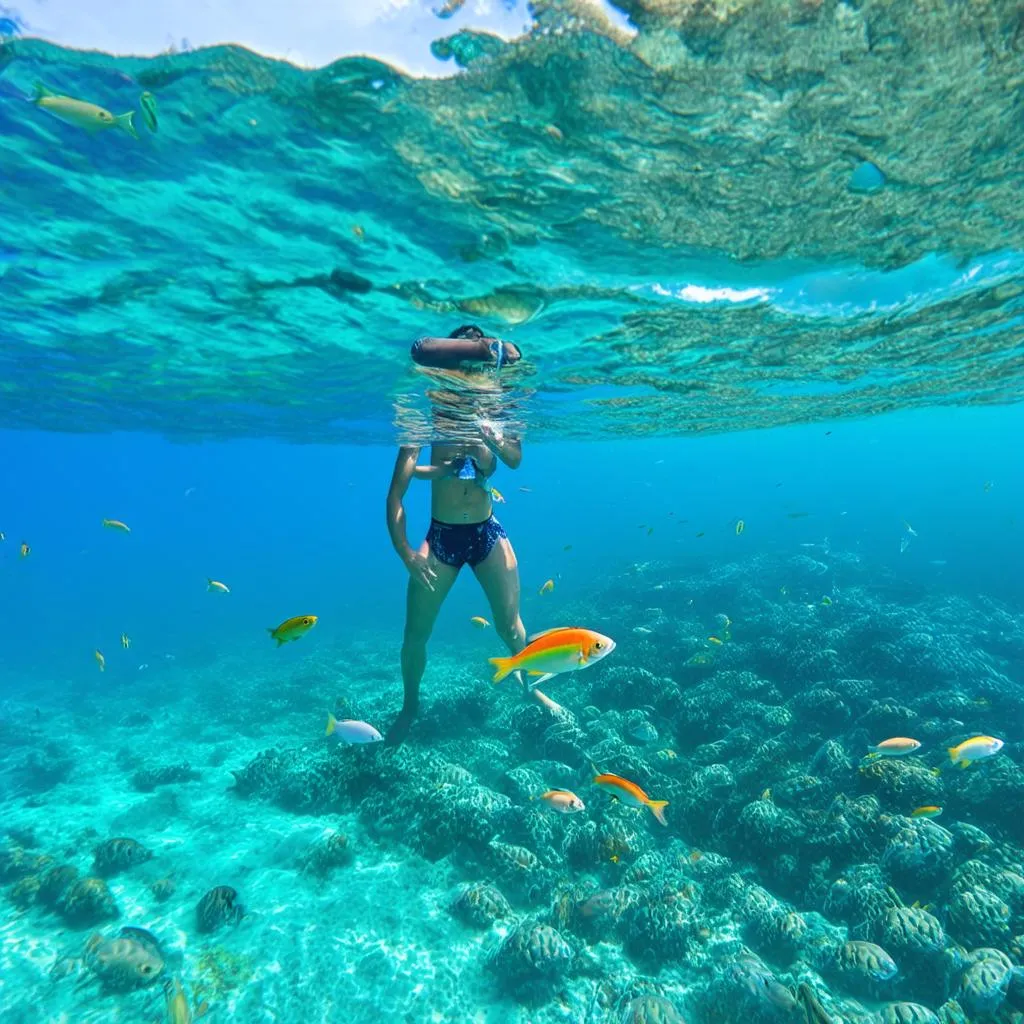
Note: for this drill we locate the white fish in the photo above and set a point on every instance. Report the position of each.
(351, 731)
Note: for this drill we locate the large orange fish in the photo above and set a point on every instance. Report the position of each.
(565, 649)
(631, 794)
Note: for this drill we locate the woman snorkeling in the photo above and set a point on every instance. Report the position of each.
(463, 530)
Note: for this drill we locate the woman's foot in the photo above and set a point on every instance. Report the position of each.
(400, 728)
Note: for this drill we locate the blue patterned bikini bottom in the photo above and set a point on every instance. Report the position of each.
(455, 544)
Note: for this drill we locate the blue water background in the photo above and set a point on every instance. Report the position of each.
(300, 529)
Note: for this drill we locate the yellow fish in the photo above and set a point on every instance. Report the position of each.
(479, 621)
(497, 496)
(116, 524)
(928, 811)
(549, 585)
(25, 549)
(100, 660)
(740, 526)
(293, 628)
(126, 641)
(975, 749)
(81, 114)
(714, 640)
(179, 1010)
(215, 586)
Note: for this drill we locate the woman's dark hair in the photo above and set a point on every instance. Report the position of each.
(470, 331)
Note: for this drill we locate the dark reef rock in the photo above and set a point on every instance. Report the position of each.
(147, 778)
(87, 902)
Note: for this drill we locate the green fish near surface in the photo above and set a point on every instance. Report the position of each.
(147, 103)
(81, 114)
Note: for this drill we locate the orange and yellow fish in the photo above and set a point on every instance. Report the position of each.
(100, 660)
(565, 649)
(896, 746)
(928, 811)
(548, 586)
(292, 629)
(216, 587)
(631, 794)
(116, 524)
(714, 640)
(479, 621)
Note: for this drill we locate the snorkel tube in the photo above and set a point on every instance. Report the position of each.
(465, 345)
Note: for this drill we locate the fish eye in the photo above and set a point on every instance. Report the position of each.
(599, 645)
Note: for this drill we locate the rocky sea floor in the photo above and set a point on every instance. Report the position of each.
(284, 877)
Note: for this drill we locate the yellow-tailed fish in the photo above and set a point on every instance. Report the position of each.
(292, 629)
(100, 660)
(896, 746)
(25, 549)
(566, 649)
(217, 587)
(975, 749)
(147, 104)
(126, 641)
(81, 114)
(631, 794)
(740, 527)
(116, 524)
(479, 621)
(548, 586)
(928, 811)
(497, 496)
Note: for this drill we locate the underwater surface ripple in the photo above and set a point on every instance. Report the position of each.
(676, 221)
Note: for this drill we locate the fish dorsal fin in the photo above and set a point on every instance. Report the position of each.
(547, 632)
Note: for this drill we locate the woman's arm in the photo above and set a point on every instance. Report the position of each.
(405, 466)
(418, 565)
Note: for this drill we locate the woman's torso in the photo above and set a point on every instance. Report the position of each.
(454, 500)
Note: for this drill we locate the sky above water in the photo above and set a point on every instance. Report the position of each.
(305, 32)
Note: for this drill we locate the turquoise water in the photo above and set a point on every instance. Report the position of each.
(769, 408)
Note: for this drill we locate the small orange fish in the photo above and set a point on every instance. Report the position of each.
(548, 586)
(100, 660)
(563, 801)
(714, 640)
(293, 628)
(896, 746)
(631, 794)
(25, 549)
(116, 524)
(215, 586)
(479, 621)
(928, 811)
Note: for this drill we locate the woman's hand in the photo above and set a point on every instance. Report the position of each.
(420, 569)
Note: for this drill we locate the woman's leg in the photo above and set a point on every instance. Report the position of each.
(421, 608)
(498, 574)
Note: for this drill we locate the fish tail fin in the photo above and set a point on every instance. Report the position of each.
(127, 123)
(502, 668)
(658, 809)
(39, 91)
(209, 583)
(332, 724)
